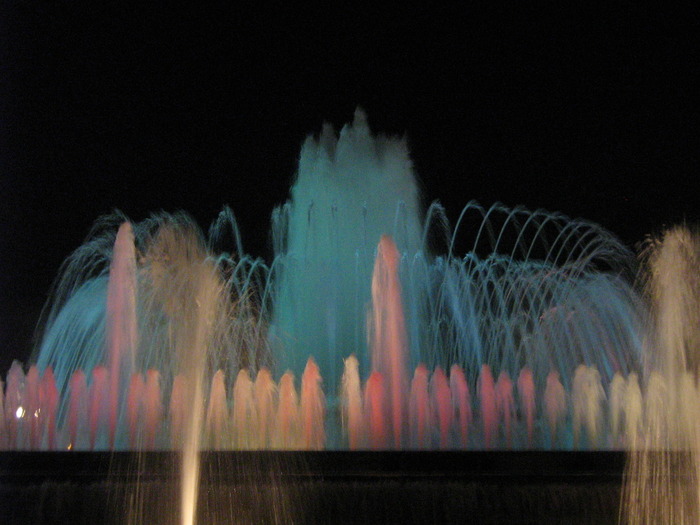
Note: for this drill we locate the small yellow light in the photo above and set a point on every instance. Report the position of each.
(20, 413)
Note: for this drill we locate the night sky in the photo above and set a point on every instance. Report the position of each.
(590, 113)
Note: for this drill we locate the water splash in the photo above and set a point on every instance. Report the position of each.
(153, 314)
(663, 470)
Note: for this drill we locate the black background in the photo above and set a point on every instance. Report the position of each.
(148, 108)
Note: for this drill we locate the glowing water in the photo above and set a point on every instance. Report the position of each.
(121, 321)
(375, 408)
(288, 425)
(388, 335)
(349, 190)
(312, 408)
(462, 403)
(440, 397)
(664, 467)
(528, 300)
(420, 409)
(489, 409)
(555, 406)
(155, 340)
(265, 400)
(526, 393)
(352, 417)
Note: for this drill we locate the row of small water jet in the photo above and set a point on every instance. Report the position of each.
(258, 413)
(447, 412)
(264, 415)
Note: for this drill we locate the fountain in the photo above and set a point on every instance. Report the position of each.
(356, 336)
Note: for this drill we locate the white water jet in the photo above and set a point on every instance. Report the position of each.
(663, 469)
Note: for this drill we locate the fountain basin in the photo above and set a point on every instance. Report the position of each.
(315, 487)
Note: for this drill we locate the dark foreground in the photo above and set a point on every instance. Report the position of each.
(315, 487)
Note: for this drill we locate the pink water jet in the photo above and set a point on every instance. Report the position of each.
(265, 391)
(419, 409)
(99, 408)
(441, 400)
(78, 424)
(153, 409)
(217, 418)
(287, 422)
(243, 414)
(121, 319)
(313, 408)
(505, 405)
(526, 393)
(461, 402)
(388, 329)
(351, 402)
(489, 410)
(32, 407)
(375, 410)
(3, 426)
(134, 408)
(49, 398)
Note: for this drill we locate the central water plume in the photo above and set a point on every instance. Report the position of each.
(349, 191)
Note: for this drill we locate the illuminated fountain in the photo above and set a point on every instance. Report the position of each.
(355, 337)
(513, 345)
